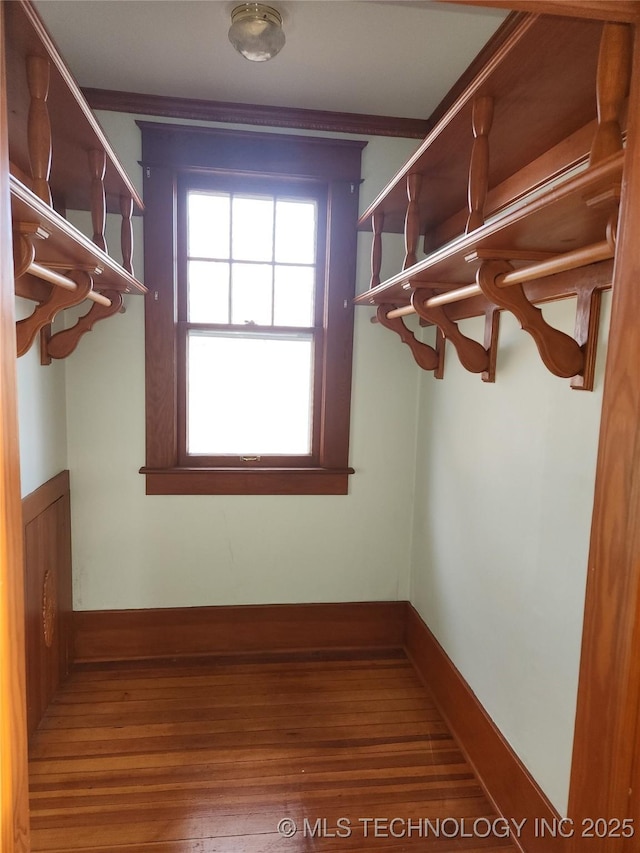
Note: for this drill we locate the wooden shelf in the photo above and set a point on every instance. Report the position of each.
(540, 99)
(65, 247)
(60, 160)
(518, 182)
(564, 217)
(74, 127)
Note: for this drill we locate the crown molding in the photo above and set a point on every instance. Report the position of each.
(255, 114)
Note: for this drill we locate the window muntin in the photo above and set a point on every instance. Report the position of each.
(249, 250)
(252, 289)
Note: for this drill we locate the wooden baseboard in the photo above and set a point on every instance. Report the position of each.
(46, 521)
(506, 781)
(110, 635)
(128, 635)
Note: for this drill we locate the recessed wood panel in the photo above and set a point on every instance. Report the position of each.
(48, 596)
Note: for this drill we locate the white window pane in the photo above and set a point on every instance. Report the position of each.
(249, 395)
(295, 232)
(293, 301)
(208, 225)
(208, 292)
(251, 293)
(252, 232)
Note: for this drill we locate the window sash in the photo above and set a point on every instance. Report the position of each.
(271, 187)
(203, 460)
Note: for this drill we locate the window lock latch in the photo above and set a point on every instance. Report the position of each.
(249, 458)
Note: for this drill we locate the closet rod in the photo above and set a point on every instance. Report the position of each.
(60, 280)
(541, 269)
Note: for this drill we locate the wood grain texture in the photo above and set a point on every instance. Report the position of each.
(542, 82)
(14, 823)
(425, 356)
(605, 768)
(65, 246)
(614, 70)
(63, 343)
(560, 353)
(556, 221)
(186, 631)
(239, 481)
(210, 756)
(44, 313)
(74, 128)
(47, 581)
(473, 356)
(507, 782)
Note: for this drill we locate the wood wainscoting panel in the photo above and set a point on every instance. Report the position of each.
(48, 597)
(506, 781)
(117, 635)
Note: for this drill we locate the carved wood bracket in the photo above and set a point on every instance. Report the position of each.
(561, 354)
(45, 312)
(473, 356)
(64, 343)
(426, 357)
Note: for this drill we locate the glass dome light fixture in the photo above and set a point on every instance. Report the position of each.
(256, 31)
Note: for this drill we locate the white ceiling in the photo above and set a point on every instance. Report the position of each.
(383, 57)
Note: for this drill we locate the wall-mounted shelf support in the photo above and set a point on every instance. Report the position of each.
(59, 299)
(586, 334)
(472, 355)
(65, 342)
(425, 356)
(491, 330)
(440, 348)
(561, 354)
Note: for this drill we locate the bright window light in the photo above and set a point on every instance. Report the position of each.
(249, 394)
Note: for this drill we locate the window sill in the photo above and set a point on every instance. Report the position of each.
(240, 481)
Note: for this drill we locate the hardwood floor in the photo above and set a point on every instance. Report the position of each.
(209, 757)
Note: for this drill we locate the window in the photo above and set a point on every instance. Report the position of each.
(250, 263)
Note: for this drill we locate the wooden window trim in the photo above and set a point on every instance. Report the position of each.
(170, 151)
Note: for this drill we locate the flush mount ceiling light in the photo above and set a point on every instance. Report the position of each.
(256, 31)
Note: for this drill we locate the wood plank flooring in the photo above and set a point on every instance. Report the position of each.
(209, 757)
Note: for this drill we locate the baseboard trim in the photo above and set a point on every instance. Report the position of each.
(506, 781)
(119, 635)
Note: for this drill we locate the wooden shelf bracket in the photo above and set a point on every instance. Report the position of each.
(473, 356)
(65, 342)
(561, 354)
(425, 356)
(45, 312)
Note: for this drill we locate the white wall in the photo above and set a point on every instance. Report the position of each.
(501, 533)
(41, 412)
(134, 551)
